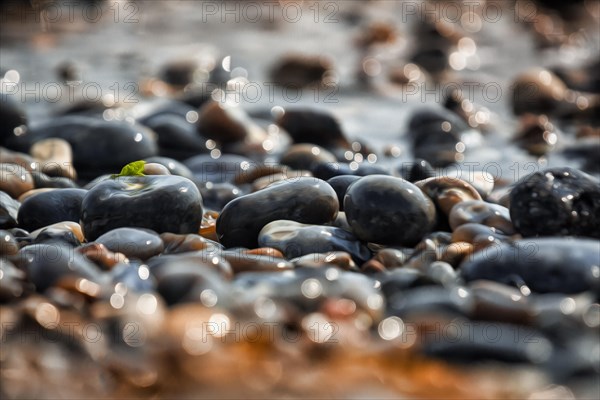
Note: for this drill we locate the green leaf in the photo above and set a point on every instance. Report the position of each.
(135, 168)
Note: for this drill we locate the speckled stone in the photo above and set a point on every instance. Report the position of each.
(557, 201)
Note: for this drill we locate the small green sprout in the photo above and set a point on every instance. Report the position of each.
(135, 168)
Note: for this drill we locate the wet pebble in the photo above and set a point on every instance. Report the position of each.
(557, 201)
(543, 265)
(304, 200)
(243, 261)
(481, 212)
(133, 242)
(175, 243)
(446, 192)
(161, 203)
(45, 264)
(339, 259)
(327, 171)
(294, 240)
(64, 203)
(388, 210)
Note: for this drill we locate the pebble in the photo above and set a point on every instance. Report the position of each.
(177, 138)
(64, 203)
(498, 302)
(55, 157)
(242, 261)
(132, 242)
(183, 281)
(446, 192)
(542, 265)
(264, 181)
(157, 202)
(440, 137)
(294, 240)
(225, 124)
(175, 167)
(15, 180)
(339, 259)
(175, 244)
(101, 256)
(388, 210)
(315, 127)
(14, 157)
(482, 181)
(304, 200)
(327, 171)
(481, 212)
(122, 142)
(45, 264)
(537, 135)
(297, 71)
(557, 201)
(56, 235)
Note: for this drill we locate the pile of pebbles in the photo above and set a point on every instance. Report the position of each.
(253, 257)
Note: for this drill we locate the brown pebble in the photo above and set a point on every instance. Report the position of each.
(340, 259)
(55, 156)
(74, 227)
(244, 262)
(99, 254)
(15, 180)
(446, 192)
(155, 169)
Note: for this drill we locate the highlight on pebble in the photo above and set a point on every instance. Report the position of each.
(300, 199)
